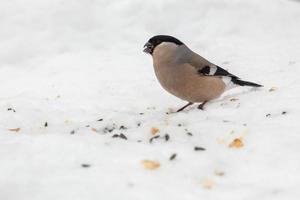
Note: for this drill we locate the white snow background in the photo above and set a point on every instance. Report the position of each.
(71, 63)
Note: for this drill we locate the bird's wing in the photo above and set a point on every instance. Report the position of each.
(214, 70)
(206, 68)
(227, 78)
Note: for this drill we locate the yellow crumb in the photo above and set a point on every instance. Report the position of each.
(150, 164)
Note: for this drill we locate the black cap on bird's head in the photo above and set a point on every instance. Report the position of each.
(158, 39)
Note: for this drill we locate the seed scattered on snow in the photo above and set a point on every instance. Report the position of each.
(283, 112)
(85, 165)
(72, 132)
(236, 143)
(196, 148)
(14, 129)
(100, 120)
(272, 89)
(219, 173)
(234, 99)
(123, 127)
(207, 183)
(11, 109)
(167, 137)
(93, 129)
(150, 164)
(46, 124)
(154, 130)
(179, 125)
(122, 136)
(173, 156)
(153, 138)
(189, 133)
(268, 115)
(138, 124)
(109, 129)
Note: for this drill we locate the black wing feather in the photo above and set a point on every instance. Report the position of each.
(219, 72)
(207, 71)
(204, 70)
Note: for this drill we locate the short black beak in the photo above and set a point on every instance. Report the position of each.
(148, 48)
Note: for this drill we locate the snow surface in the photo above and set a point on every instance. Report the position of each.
(71, 63)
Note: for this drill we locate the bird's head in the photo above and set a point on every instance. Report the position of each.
(153, 42)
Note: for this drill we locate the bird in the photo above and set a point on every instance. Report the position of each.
(187, 75)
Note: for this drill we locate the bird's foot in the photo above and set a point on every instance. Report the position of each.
(201, 106)
(181, 109)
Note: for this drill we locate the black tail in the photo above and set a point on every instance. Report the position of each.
(245, 83)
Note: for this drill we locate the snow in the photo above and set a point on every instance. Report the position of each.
(72, 63)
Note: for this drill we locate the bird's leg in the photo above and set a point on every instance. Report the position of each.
(202, 105)
(181, 109)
